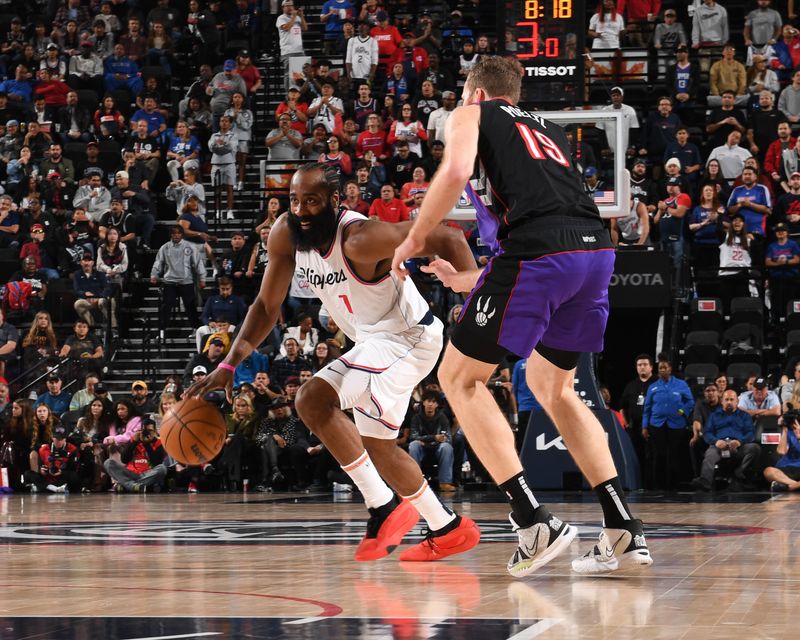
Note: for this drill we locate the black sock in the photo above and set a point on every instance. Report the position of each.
(612, 499)
(520, 497)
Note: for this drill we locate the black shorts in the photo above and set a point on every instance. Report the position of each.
(792, 472)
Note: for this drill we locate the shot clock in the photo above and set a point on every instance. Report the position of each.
(549, 37)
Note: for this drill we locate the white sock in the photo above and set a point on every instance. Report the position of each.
(430, 507)
(375, 491)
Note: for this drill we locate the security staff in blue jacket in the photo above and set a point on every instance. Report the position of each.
(729, 433)
(667, 408)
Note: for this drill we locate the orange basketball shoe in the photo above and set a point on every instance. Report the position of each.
(463, 536)
(385, 529)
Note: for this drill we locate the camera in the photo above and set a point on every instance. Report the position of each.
(791, 416)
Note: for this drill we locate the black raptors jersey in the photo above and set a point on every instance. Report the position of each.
(532, 184)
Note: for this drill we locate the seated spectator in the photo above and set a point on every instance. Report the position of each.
(305, 335)
(109, 123)
(120, 72)
(729, 434)
(183, 151)
(146, 149)
(56, 465)
(226, 305)
(56, 399)
(785, 475)
(409, 129)
(208, 360)
(289, 364)
(9, 223)
(760, 401)
(249, 367)
(159, 48)
(112, 258)
(84, 396)
(400, 168)
(93, 291)
(41, 249)
(141, 465)
(20, 170)
(38, 140)
(240, 442)
(37, 279)
(126, 422)
(352, 198)
(20, 89)
(93, 197)
(787, 208)
(274, 434)
(180, 191)
(752, 201)
(265, 391)
(233, 263)
(140, 399)
(195, 229)
(388, 208)
(730, 156)
(430, 435)
(789, 100)
(52, 89)
(778, 152)
(703, 409)
(336, 158)
(86, 69)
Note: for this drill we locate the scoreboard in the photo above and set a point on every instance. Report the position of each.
(549, 37)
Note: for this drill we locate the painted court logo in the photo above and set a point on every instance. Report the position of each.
(483, 315)
(283, 532)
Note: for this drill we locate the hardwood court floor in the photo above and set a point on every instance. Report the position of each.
(279, 566)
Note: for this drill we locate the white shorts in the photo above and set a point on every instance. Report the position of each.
(376, 377)
(243, 146)
(226, 173)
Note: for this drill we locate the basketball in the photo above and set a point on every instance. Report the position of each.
(193, 431)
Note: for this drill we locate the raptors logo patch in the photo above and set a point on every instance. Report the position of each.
(483, 314)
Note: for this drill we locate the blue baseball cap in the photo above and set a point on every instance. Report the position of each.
(229, 65)
(588, 172)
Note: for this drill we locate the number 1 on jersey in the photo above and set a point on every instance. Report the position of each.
(533, 139)
(346, 301)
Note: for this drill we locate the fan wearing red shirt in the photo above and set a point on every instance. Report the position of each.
(54, 91)
(389, 208)
(353, 200)
(414, 59)
(298, 111)
(387, 36)
(374, 139)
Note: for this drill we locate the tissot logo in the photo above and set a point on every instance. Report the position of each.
(637, 280)
(292, 532)
(320, 280)
(559, 70)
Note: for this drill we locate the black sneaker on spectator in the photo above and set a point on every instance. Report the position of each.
(778, 487)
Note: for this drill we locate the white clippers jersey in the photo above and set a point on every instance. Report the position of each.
(360, 308)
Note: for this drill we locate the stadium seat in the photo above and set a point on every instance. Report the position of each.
(699, 374)
(88, 98)
(706, 315)
(743, 342)
(702, 346)
(792, 322)
(792, 345)
(739, 372)
(747, 309)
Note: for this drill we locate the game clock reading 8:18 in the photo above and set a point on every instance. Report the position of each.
(549, 37)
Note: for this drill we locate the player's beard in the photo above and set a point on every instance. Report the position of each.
(321, 232)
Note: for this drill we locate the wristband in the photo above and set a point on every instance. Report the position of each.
(226, 366)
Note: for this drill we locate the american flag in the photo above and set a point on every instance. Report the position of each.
(604, 197)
